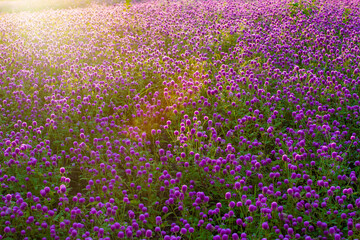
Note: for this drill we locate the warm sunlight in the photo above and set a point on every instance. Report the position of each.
(31, 5)
(180, 119)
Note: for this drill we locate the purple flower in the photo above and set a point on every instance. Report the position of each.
(184, 188)
(8, 197)
(121, 234)
(165, 209)
(252, 208)
(148, 233)
(63, 188)
(265, 225)
(228, 195)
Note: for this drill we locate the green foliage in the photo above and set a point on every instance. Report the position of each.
(346, 15)
(225, 81)
(303, 6)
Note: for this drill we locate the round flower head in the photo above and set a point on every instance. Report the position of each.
(265, 225)
(228, 195)
(63, 188)
(8, 197)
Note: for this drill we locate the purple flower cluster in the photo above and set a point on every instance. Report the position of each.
(181, 120)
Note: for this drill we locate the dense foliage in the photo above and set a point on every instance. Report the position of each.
(181, 120)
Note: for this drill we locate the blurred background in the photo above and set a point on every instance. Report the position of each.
(36, 5)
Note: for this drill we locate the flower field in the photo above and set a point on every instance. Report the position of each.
(181, 120)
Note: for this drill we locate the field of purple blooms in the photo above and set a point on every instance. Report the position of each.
(181, 120)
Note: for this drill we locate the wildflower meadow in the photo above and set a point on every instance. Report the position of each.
(187, 119)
